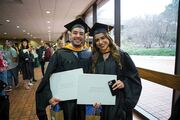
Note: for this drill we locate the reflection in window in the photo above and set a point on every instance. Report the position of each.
(105, 12)
(89, 17)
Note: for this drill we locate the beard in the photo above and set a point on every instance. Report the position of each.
(77, 44)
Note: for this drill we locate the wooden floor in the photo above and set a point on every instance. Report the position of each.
(22, 102)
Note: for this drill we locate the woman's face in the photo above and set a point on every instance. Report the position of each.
(24, 43)
(77, 37)
(102, 42)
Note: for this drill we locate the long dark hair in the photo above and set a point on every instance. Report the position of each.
(114, 51)
(22, 46)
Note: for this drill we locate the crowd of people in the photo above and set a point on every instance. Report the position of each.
(105, 57)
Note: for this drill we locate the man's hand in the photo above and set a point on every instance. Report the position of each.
(53, 101)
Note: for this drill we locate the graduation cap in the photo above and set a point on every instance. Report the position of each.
(78, 23)
(100, 28)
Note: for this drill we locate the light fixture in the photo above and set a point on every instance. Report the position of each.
(28, 33)
(5, 33)
(49, 27)
(7, 20)
(17, 26)
(48, 12)
(24, 30)
(48, 22)
(49, 31)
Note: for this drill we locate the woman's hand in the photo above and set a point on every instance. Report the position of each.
(53, 101)
(118, 85)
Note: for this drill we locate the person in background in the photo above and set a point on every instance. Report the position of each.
(32, 62)
(47, 55)
(72, 56)
(61, 44)
(109, 59)
(4, 99)
(11, 57)
(40, 53)
(25, 60)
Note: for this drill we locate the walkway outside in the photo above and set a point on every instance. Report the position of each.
(156, 99)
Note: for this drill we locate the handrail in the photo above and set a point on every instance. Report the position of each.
(168, 80)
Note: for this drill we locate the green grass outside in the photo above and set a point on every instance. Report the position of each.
(151, 51)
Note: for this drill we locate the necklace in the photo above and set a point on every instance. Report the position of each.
(106, 52)
(106, 55)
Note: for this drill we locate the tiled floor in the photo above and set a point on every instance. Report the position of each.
(22, 102)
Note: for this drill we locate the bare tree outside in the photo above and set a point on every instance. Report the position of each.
(152, 31)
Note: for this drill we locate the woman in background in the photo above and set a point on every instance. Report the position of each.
(26, 60)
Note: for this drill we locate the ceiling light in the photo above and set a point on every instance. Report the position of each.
(49, 27)
(48, 22)
(5, 33)
(7, 20)
(17, 26)
(28, 33)
(48, 12)
(24, 30)
(49, 31)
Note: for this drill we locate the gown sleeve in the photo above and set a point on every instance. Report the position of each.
(132, 82)
(43, 92)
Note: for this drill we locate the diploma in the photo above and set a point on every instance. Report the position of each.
(63, 85)
(94, 88)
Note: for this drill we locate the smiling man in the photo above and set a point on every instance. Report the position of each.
(73, 55)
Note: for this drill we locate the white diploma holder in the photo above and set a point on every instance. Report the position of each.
(94, 88)
(63, 85)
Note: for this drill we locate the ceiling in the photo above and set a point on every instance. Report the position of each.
(30, 18)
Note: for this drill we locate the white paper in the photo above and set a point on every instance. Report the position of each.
(63, 85)
(94, 88)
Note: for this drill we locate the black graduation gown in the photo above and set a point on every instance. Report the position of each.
(62, 60)
(127, 97)
(25, 61)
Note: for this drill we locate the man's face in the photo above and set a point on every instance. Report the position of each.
(77, 37)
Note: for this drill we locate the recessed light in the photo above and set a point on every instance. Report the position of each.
(48, 22)
(48, 12)
(7, 20)
(17, 26)
(5, 33)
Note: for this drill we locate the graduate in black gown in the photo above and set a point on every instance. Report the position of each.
(109, 59)
(74, 55)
